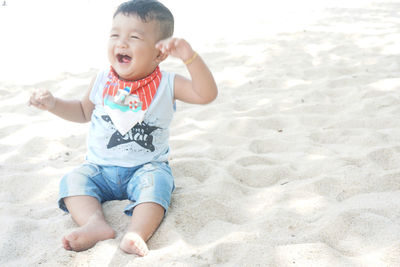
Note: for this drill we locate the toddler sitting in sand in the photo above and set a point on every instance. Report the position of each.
(130, 108)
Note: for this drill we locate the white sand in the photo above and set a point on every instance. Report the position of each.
(297, 163)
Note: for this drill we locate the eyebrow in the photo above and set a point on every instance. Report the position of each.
(130, 30)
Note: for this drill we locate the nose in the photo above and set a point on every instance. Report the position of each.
(122, 42)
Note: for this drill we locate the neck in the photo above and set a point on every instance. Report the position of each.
(115, 74)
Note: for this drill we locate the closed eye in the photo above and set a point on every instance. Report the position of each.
(134, 37)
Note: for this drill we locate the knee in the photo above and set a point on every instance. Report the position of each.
(154, 177)
(78, 177)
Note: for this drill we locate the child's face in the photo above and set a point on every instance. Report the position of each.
(131, 48)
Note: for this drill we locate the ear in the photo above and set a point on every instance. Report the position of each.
(160, 57)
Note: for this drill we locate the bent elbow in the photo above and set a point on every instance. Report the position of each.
(210, 98)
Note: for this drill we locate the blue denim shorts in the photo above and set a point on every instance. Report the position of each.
(151, 182)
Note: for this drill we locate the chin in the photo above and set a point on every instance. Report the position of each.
(120, 71)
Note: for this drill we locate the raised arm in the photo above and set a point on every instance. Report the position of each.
(71, 110)
(201, 89)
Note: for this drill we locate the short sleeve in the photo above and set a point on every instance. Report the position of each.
(96, 92)
(170, 85)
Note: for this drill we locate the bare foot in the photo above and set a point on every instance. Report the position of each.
(87, 236)
(132, 243)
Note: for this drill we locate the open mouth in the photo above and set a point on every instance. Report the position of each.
(123, 58)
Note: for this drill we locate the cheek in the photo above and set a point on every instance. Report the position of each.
(149, 54)
(145, 50)
(110, 53)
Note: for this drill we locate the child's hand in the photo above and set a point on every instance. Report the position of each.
(42, 99)
(176, 47)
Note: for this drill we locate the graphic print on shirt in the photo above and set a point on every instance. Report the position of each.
(140, 133)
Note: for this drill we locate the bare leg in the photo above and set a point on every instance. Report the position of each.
(146, 218)
(88, 214)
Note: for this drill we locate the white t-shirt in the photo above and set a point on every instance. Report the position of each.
(145, 142)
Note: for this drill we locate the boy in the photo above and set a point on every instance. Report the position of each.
(130, 108)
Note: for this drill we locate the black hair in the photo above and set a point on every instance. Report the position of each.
(148, 10)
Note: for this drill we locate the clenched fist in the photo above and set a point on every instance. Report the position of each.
(42, 99)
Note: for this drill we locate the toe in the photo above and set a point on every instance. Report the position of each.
(72, 236)
(134, 244)
(65, 243)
